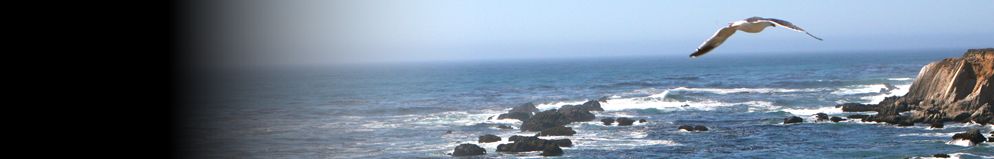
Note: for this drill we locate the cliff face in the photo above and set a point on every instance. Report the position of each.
(952, 89)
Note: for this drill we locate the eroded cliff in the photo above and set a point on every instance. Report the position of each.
(952, 89)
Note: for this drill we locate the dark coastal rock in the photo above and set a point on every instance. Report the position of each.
(837, 119)
(607, 121)
(642, 121)
(552, 151)
(515, 115)
(522, 112)
(593, 105)
(468, 150)
(531, 143)
(515, 138)
(821, 116)
(940, 155)
(557, 131)
(973, 135)
(603, 99)
(857, 107)
(576, 113)
(623, 121)
(527, 107)
(544, 120)
(693, 128)
(792, 119)
(936, 125)
(857, 116)
(488, 138)
(504, 127)
(562, 142)
(700, 128)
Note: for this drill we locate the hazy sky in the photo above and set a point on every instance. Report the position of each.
(360, 31)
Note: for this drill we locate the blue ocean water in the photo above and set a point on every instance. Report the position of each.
(408, 110)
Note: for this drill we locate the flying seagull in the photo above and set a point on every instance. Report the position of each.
(749, 25)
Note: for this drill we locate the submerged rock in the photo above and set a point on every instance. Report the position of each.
(693, 128)
(936, 125)
(642, 121)
(607, 121)
(623, 121)
(821, 116)
(488, 138)
(941, 155)
(837, 119)
(557, 131)
(972, 135)
(700, 128)
(792, 119)
(544, 120)
(468, 150)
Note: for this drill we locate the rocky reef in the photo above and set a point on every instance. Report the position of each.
(948, 90)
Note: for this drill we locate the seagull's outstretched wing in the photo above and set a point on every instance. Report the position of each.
(718, 38)
(788, 25)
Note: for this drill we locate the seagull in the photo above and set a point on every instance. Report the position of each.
(749, 25)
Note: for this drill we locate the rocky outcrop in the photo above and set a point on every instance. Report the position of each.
(544, 120)
(576, 113)
(837, 119)
(972, 135)
(952, 89)
(557, 131)
(792, 119)
(488, 138)
(522, 112)
(531, 143)
(821, 116)
(468, 150)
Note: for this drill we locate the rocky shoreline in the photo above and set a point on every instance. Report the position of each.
(948, 90)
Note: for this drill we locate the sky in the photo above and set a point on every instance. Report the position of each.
(320, 32)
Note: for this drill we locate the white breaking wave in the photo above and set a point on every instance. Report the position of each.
(556, 105)
(960, 142)
(743, 90)
(860, 89)
(930, 134)
(826, 110)
(899, 91)
(659, 101)
(899, 79)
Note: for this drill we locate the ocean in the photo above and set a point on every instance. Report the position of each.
(424, 110)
